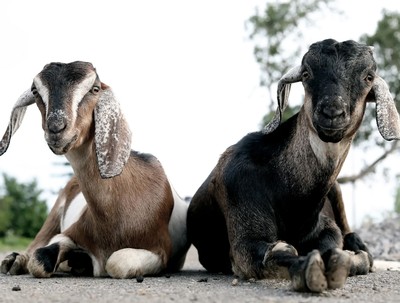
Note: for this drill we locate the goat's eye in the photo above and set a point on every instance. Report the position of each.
(95, 89)
(369, 78)
(34, 91)
(305, 75)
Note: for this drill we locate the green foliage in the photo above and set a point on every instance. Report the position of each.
(21, 208)
(271, 31)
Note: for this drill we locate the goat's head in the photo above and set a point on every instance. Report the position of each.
(338, 79)
(72, 101)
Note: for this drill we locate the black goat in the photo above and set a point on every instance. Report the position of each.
(263, 211)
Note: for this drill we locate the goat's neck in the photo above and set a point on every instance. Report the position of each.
(99, 193)
(328, 156)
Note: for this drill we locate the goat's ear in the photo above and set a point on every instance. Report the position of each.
(292, 76)
(17, 115)
(112, 135)
(387, 117)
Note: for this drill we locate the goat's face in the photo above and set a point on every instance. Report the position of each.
(66, 95)
(337, 78)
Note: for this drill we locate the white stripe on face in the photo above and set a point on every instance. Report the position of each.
(81, 90)
(42, 90)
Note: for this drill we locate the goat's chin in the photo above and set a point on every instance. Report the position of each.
(61, 147)
(330, 136)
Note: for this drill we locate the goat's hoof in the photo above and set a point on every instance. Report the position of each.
(283, 246)
(353, 242)
(309, 274)
(360, 263)
(44, 261)
(315, 272)
(337, 268)
(15, 264)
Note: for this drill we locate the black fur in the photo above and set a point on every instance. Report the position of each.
(80, 262)
(47, 256)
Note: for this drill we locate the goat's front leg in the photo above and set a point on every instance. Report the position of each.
(322, 265)
(45, 260)
(335, 209)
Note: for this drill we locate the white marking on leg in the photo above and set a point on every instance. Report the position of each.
(130, 262)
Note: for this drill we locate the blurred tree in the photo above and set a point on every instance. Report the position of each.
(275, 31)
(21, 208)
(5, 215)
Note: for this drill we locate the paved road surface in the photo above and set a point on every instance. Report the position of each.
(193, 284)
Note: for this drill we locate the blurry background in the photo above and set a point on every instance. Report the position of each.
(193, 77)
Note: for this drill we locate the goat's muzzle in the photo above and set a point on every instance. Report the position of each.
(331, 118)
(60, 143)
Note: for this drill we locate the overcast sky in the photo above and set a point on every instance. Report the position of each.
(183, 71)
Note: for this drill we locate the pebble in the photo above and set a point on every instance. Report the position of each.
(139, 279)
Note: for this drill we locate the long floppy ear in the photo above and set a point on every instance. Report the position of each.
(17, 115)
(292, 76)
(112, 135)
(387, 117)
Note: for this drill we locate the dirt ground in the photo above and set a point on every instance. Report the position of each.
(194, 284)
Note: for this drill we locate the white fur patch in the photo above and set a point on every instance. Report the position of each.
(74, 212)
(327, 151)
(62, 240)
(177, 224)
(130, 262)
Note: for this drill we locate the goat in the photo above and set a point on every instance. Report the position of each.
(118, 215)
(263, 210)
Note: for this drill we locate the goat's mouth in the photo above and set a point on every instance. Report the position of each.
(331, 129)
(330, 134)
(60, 146)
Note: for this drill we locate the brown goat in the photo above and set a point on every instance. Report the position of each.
(118, 215)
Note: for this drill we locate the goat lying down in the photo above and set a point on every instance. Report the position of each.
(118, 215)
(272, 207)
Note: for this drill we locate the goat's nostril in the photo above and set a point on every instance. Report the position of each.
(56, 126)
(331, 112)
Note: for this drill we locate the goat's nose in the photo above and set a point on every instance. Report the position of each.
(332, 112)
(333, 108)
(56, 124)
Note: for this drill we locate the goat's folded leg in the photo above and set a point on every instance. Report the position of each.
(129, 263)
(45, 260)
(15, 264)
(307, 273)
(313, 272)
